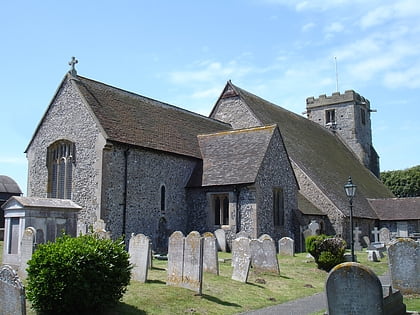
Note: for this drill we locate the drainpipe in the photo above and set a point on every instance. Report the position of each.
(237, 191)
(124, 204)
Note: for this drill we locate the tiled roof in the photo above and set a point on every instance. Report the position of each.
(321, 155)
(397, 208)
(233, 157)
(36, 202)
(137, 120)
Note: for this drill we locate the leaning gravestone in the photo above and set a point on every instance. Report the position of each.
(384, 236)
(26, 250)
(263, 254)
(352, 288)
(287, 246)
(139, 250)
(221, 239)
(175, 258)
(192, 277)
(12, 293)
(404, 265)
(242, 260)
(366, 240)
(210, 255)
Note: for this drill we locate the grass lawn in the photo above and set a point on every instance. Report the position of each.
(299, 277)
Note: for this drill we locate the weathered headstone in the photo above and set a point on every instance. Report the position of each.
(242, 234)
(175, 259)
(356, 233)
(264, 255)
(352, 288)
(27, 248)
(139, 250)
(367, 240)
(404, 265)
(286, 246)
(384, 235)
(375, 233)
(373, 255)
(12, 293)
(192, 277)
(210, 255)
(242, 260)
(314, 227)
(221, 239)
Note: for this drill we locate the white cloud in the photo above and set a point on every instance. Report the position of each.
(208, 93)
(404, 78)
(335, 27)
(308, 26)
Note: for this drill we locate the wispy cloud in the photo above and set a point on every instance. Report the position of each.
(13, 160)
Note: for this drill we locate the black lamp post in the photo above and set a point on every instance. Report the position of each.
(350, 190)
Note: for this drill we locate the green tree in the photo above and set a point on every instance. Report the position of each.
(403, 183)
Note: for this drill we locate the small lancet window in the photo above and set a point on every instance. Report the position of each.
(162, 199)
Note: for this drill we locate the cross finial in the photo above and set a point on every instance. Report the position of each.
(72, 63)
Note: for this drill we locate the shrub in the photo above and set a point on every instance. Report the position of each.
(327, 251)
(77, 275)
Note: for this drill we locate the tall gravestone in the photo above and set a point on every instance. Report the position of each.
(286, 246)
(263, 254)
(221, 239)
(357, 244)
(139, 250)
(27, 248)
(210, 254)
(366, 239)
(384, 235)
(192, 277)
(175, 258)
(12, 293)
(404, 265)
(375, 233)
(241, 259)
(352, 288)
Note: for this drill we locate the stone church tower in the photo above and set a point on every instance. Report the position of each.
(348, 115)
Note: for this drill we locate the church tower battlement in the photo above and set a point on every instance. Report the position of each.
(348, 115)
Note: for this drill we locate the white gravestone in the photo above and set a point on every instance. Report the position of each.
(26, 250)
(242, 261)
(375, 233)
(210, 254)
(221, 239)
(353, 289)
(404, 265)
(286, 246)
(139, 250)
(12, 293)
(384, 236)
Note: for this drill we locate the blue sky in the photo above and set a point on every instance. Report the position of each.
(183, 52)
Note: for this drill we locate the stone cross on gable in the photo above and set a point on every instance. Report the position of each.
(375, 233)
(72, 63)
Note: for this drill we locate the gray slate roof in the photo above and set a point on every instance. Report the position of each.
(137, 120)
(320, 154)
(391, 209)
(8, 185)
(36, 202)
(233, 157)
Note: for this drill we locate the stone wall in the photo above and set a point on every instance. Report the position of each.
(235, 112)
(68, 118)
(147, 172)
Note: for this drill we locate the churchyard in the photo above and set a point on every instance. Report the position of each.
(299, 277)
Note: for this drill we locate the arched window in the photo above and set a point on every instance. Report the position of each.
(220, 207)
(162, 200)
(60, 160)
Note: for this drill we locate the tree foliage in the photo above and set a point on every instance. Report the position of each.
(403, 183)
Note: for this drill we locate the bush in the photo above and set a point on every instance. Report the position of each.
(77, 275)
(327, 251)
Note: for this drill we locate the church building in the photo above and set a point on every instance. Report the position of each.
(148, 167)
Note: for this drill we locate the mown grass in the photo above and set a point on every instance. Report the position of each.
(299, 277)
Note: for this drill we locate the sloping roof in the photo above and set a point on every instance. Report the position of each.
(35, 202)
(320, 154)
(392, 209)
(8, 185)
(134, 119)
(233, 157)
(306, 207)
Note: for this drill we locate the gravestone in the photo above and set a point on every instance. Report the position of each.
(100, 231)
(192, 277)
(242, 234)
(264, 254)
(221, 239)
(404, 265)
(356, 233)
(373, 255)
(287, 246)
(314, 227)
(12, 293)
(210, 255)
(27, 248)
(375, 233)
(242, 261)
(352, 288)
(367, 240)
(175, 258)
(384, 236)
(139, 250)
